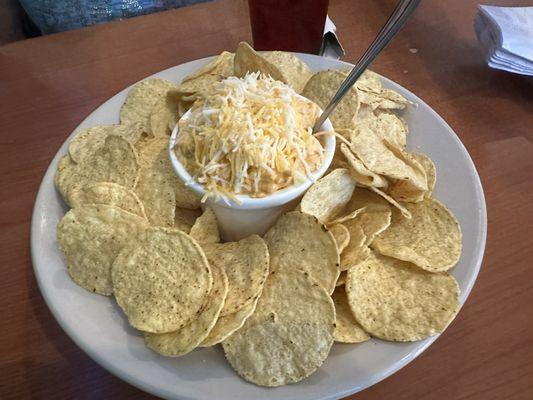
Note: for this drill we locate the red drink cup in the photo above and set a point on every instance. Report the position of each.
(289, 25)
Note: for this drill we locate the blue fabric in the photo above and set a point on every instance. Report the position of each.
(52, 16)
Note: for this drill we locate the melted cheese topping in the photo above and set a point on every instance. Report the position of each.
(252, 135)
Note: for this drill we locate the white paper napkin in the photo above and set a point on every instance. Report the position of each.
(506, 37)
(331, 46)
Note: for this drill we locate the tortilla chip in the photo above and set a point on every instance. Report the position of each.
(388, 127)
(360, 173)
(300, 241)
(200, 86)
(163, 114)
(205, 229)
(394, 300)
(357, 250)
(88, 141)
(347, 329)
(405, 190)
(91, 236)
(156, 183)
(220, 65)
(116, 161)
(405, 212)
(183, 341)
(429, 169)
(322, 87)
(107, 193)
(386, 99)
(386, 160)
(375, 218)
(346, 217)
(289, 335)
(294, 72)
(227, 325)
(369, 81)
(328, 195)
(341, 235)
(431, 239)
(366, 198)
(161, 281)
(364, 114)
(246, 264)
(159, 188)
(141, 99)
(281, 66)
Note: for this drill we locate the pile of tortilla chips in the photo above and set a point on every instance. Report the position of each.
(366, 254)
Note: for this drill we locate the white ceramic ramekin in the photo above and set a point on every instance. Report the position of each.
(252, 214)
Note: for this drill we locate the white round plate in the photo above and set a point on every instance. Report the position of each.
(96, 324)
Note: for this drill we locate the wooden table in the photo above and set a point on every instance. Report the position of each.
(49, 84)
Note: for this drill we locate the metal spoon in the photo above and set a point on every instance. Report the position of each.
(396, 21)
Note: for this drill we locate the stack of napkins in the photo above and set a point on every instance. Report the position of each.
(506, 36)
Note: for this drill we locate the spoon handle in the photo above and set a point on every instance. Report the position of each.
(396, 21)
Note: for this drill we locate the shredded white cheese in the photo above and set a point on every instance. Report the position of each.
(252, 135)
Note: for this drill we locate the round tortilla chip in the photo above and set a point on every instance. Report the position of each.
(220, 65)
(402, 189)
(372, 223)
(357, 250)
(403, 210)
(183, 341)
(87, 141)
(385, 99)
(387, 126)
(364, 113)
(360, 173)
(341, 235)
(347, 217)
(369, 200)
(63, 176)
(395, 300)
(109, 193)
(155, 186)
(431, 239)
(322, 87)
(294, 72)
(200, 86)
(227, 325)
(159, 188)
(115, 161)
(429, 168)
(347, 329)
(300, 241)
(290, 334)
(375, 218)
(141, 100)
(386, 160)
(281, 66)
(164, 115)
(369, 81)
(328, 195)
(205, 229)
(91, 236)
(163, 281)
(246, 264)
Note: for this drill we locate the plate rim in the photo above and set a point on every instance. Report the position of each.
(152, 389)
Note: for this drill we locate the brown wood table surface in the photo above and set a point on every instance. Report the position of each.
(49, 84)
